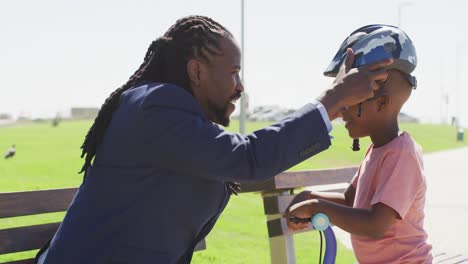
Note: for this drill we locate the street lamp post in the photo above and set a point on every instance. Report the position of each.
(460, 130)
(458, 54)
(443, 95)
(401, 6)
(243, 99)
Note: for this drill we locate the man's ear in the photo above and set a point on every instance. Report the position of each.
(193, 71)
(382, 102)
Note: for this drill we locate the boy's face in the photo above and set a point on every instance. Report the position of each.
(359, 126)
(372, 114)
(380, 111)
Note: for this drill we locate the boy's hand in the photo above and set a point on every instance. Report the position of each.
(300, 197)
(299, 211)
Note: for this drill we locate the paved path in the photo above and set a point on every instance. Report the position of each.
(446, 201)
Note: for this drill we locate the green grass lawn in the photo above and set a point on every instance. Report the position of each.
(48, 157)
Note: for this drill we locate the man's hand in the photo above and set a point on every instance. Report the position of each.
(353, 85)
(233, 187)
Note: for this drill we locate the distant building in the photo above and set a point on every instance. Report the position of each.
(6, 119)
(84, 113)
(5, 116)
(405, 118)
(269, 113)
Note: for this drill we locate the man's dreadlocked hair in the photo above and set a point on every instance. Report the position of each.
(165, 62)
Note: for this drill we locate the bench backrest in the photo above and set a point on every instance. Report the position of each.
(26, 238)
(32, 237)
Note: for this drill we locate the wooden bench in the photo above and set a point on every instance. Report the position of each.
(32, 237)
(277, 193)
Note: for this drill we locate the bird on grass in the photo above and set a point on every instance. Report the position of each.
(10, 152)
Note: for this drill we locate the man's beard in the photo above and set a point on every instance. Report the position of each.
(220, 113)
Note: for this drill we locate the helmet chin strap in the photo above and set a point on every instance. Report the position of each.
(356, 146)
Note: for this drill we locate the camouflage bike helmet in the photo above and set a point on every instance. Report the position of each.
(375, 43)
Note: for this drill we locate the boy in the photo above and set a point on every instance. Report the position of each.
(383, 207)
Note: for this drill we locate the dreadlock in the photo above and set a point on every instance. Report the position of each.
(165, 61)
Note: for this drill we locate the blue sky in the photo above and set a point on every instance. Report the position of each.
(58, 54)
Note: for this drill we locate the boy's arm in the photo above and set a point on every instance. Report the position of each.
(349, 195)
(335, 197)
(346, 198)
(371, 222)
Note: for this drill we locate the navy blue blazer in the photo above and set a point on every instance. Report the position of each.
(157, 185)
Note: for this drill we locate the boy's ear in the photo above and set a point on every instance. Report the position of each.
(382, 102)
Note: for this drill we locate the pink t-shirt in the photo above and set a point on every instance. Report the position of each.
(393, 175)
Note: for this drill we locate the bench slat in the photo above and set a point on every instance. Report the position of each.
(23, 261)
(35, 202)
(296, 179)
(26, 237)
(201, 245)
(451, 259)
(278, 204)
(33, 237)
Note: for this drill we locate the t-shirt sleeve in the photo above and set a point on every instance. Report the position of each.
(398, 181)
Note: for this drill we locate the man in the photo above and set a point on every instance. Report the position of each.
(162, 166)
